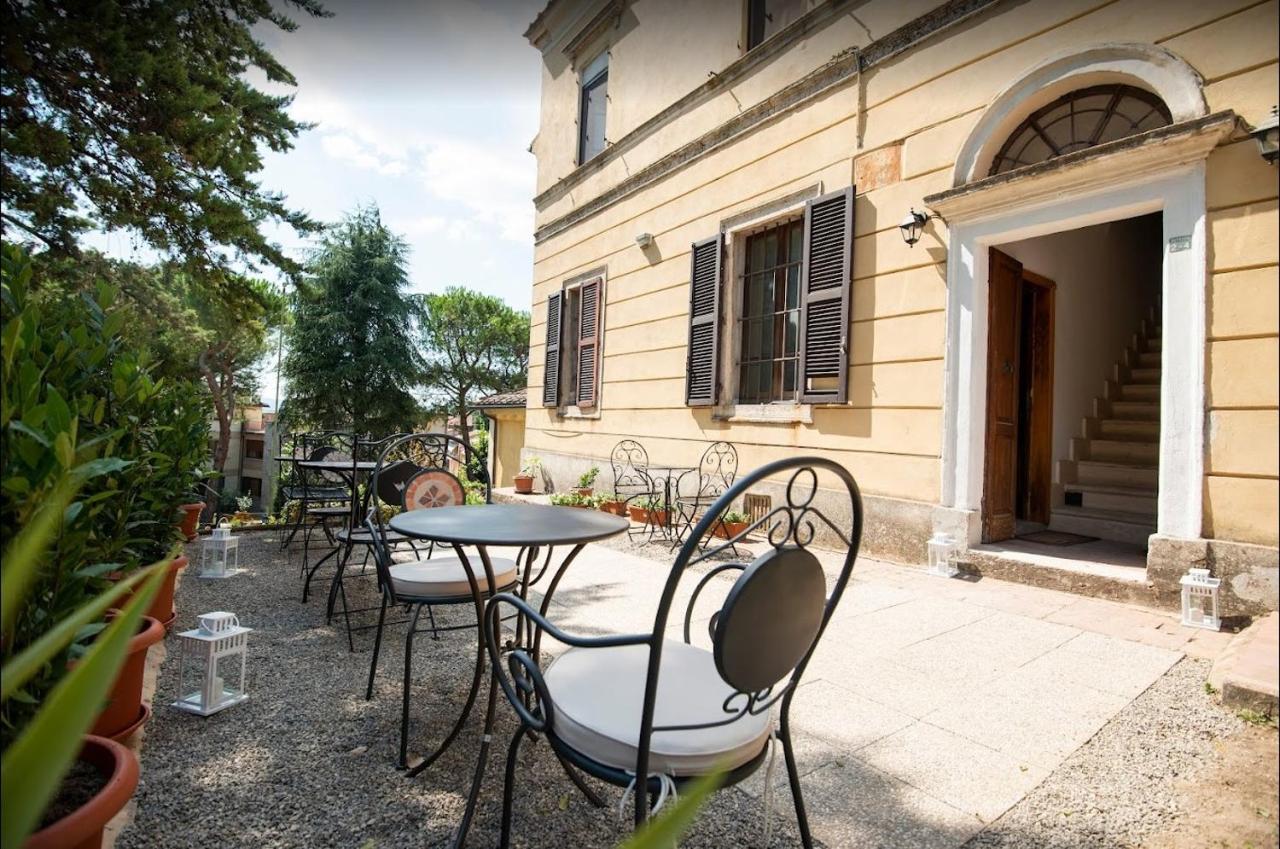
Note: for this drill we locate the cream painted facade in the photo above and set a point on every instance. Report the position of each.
(908, 101)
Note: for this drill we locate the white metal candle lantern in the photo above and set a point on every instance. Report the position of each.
(220, 557)
(217, 644)
(943, 550)
(1200, 600)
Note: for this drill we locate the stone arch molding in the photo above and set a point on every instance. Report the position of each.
(1146, 66)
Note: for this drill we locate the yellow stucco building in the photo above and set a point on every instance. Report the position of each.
(1082, 338)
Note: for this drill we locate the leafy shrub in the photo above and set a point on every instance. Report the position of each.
(78, 405)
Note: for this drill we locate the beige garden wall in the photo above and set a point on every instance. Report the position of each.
(926, 100)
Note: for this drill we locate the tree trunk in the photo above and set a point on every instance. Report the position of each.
(464, 426)
(222, 409)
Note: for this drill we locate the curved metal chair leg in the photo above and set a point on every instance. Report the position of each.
(431, 617)
(793, 776)
(592, 796)
(306, 587)
(481, 657)
(336, 583)
(504, 839)
(404, 696)
(377, 647)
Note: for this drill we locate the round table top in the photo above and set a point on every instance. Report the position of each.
(339, 465)
(509, 524)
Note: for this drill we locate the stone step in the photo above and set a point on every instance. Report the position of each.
(1121, 451)
(1149, 359)
(1122, 527)
(1092, 472)
(1248, 671)
(1139, 392)
(1130, 430)
(1134, 411)
(1114, 498)
(1143, 376)
(1153, 344)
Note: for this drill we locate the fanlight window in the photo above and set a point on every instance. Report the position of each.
(1081, 119)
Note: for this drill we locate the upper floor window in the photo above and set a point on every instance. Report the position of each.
(766, 17)
(571, 379)
(592, 106)
(1079, 120)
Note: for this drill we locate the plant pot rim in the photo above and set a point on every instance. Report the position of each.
(152, 631)
(120, 767)
(192, 505)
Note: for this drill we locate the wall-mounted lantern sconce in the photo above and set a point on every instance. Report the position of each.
(1267, 135)
(644, 240)
(912, 225)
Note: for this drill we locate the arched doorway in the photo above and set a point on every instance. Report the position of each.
(1104, 136)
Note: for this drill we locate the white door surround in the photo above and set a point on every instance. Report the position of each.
(1179, 194)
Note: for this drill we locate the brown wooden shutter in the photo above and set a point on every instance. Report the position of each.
(592, 300)
(701, 385)
(551, 371)
(824, 291)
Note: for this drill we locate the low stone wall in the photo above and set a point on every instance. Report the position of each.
(1250, 573)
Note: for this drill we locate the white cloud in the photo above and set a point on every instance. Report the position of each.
(347, 149)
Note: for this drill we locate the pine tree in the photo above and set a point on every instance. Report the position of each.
(138, 116)
(351, 361)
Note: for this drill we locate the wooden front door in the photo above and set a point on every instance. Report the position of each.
(999, 495)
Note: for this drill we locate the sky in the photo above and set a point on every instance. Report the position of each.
(426, 109)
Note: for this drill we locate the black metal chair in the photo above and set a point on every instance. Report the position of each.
(309, 489)
(713, 477)
(416, 472)
(325, 501)
(631, 479)
(623, 706)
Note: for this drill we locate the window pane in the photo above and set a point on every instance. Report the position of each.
(793, 287)
(793, 333)
(593, 116)
(789, 376)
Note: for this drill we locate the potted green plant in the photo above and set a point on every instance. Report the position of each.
(243, 503)
(565, 499)
(731, 524)
(611, 502)
(586, 481)
(649, 511)
(81, 473)
(524, 481)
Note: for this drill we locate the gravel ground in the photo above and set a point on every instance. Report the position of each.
(307, 762)
(1121, 787)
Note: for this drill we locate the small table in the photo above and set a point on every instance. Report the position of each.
(504, 525)
(670, 476)
(350, 472)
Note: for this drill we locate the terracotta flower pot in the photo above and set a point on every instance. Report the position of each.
(728, 530)
(162, 606)
(636, 513)
(82, 828)
(523, 484)
(190, 522)
(125, 711)
(614, 507)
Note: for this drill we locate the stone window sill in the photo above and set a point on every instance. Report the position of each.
(578, 413)
(766, 413)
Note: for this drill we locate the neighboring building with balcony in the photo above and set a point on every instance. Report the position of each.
(718, 256)
(250, 467)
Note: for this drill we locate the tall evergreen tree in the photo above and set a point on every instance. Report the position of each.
(138, 115)
(351, 361)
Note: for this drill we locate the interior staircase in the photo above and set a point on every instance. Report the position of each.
(1110, 483)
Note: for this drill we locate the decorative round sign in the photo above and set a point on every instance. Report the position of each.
(433, 488)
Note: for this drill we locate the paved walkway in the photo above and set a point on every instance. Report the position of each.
(932, 705)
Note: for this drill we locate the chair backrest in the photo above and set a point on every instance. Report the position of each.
(325, 445)
(774, 614)
(630, 463)
(717, 469)
(416, 471)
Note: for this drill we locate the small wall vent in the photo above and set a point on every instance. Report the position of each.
(756, 506)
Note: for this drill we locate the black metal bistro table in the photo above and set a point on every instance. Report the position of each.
(671, 477)
(506, 525)
(350, 472)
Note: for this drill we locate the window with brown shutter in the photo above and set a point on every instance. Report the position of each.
(575, 325)
(701, 382)
(590, 300)
(825, 294)
(551, 370)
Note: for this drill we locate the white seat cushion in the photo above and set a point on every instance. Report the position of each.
(446, 576)
(598, 695)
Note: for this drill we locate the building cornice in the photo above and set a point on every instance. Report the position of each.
(842, 69)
